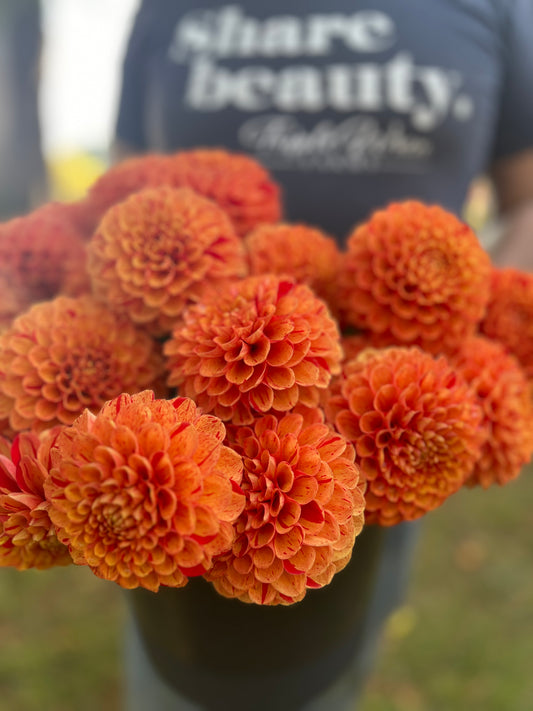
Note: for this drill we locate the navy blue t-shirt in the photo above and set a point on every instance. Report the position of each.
(349, 104)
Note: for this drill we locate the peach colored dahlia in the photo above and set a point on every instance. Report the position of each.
(41, 255)
(27, 535)
(144, 492)
(158, 251)
(305, 253)
(263, 343)
(416, 273)
(304, 508)
(67, 354)
(416, 428)
(509, 317)
(502, 388)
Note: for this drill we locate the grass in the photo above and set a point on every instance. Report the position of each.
(462, 641)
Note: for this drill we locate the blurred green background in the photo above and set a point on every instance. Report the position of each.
(463, 640)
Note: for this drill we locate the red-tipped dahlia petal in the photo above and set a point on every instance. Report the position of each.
(415, 424)
(27, 535)
(158, 251)
(66, 355)
(417, 274)
(304, 508)
(41, 255)
(509, 317)
(502, 388)
(144, 492)
(263, 343)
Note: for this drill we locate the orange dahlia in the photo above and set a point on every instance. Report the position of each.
(67, 354)
(304, 508)
(416, 428)
(236, 182)
(27, 535)
(144, 492)
(158, 251)
(502, 388)
(416, 273)
(263, 343)
(41, 255)
(305, 253)
(509, 317)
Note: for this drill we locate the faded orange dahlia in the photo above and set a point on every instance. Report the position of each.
(416, 273)
(158, 251)
(509, 317)
(304, 508)
(27, 535)
(144, 492)
(416, 426)
(262, 343)
(41, 255)
(502, 388)
(67, 354)
(305, 253)
(237, 183)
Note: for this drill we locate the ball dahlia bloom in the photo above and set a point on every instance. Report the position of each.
(27, 535)
(502, 388)
(144, 492)
(41, 256)
(305, 253)
(509, 317)
(417, 274)
(66, 355)
(263, 343)
(304, 508)
(415, 424)
(158, 251)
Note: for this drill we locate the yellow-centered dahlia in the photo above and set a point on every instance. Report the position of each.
(417, 274)
(304, 508)
(262, 343)
(144, 492)
(66, 355)
(416, 427)
(158, 251)
(502, 388)
(27, 535)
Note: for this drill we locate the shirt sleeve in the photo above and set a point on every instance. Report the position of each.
(514, 132)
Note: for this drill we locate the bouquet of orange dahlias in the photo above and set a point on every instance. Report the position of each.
(191, 387)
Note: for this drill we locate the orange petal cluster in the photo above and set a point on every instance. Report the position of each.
(509, 317)
(145, 492)
(236, 182)
(158, 251)
(502, 388)
(416, 273)
(263, 343)
(27, 535)
(67, 354)
(41, 255)
(416, 428)
(304, 508)
(305, 253)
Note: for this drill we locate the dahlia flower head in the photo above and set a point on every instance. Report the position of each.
(415, 424)
(262, 343)
(27, 535)
(502, 388)
(415, 274)
(304, 509)
(41, 255)
(68, 354)
(509, 317)
(305, 253)
(145, 492)
(159, 251)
